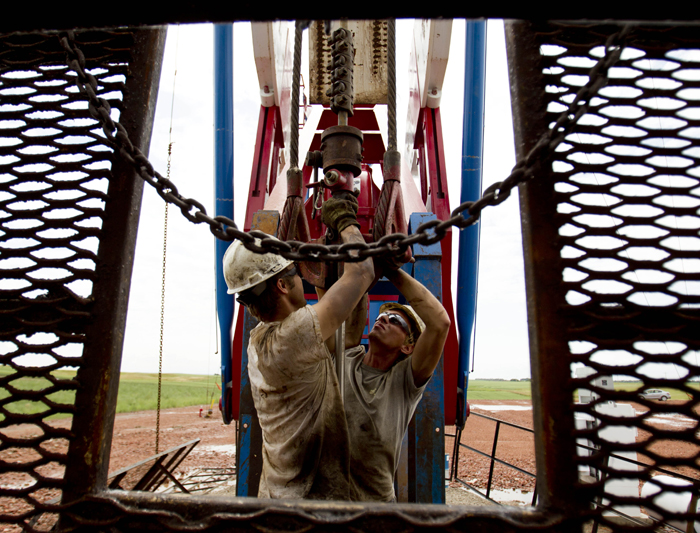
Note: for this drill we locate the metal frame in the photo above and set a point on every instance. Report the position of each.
(96, 399)
(159, 468)
(87, 505)
(557, 482)
(83, 14)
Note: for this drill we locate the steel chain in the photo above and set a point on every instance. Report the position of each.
(162, 310)
(465, 215)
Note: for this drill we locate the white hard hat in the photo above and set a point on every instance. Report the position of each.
(244, 269)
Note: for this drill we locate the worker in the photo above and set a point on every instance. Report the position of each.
(384, 385)
(295, 389)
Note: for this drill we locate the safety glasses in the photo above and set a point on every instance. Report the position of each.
(293, 272)
(396, 320)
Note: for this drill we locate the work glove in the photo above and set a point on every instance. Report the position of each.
(388, 265)
(340, 211)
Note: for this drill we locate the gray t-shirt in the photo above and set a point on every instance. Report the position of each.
(378, 406)
(295, 389)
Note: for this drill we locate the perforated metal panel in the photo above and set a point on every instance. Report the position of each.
(56, 177)
(613, 237)
(611, 240)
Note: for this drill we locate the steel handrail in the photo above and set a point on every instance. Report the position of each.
(493, 457)
(598, 504)
(639, 463)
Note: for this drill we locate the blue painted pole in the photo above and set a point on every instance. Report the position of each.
(223, 149)
(472, 152)
(428, 425)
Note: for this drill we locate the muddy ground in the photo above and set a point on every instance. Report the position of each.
(134, 434)
(134, 441)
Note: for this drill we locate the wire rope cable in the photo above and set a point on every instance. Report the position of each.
(391, 82)
(296, 78)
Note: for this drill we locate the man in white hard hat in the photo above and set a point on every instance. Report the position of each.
(295, 389)
(384, 385)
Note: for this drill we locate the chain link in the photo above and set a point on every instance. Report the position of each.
(465, 215)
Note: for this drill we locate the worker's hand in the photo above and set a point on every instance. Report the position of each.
(340, 211)
(388, 265)
(385, 268)
(380, 268)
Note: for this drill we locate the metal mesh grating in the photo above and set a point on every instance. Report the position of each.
(626, 218)
(54, 178)
(627, 191)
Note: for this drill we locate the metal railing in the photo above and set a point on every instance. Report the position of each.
(601, 478)
(600, 475)
(492, 457)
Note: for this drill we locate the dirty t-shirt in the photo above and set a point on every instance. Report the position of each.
(296, 393)
(378, 406)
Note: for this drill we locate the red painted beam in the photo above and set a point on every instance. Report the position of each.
(434, 175)
(259, 178)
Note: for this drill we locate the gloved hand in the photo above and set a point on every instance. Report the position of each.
(382, 266)
(388, 265)
(340, 211)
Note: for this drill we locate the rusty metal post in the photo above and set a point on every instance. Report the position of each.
(96, 398)
(555, 447)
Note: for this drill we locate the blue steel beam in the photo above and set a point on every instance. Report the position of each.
(472, 152)
(427, 431)
(223, 201)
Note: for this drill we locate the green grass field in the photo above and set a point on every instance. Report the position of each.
(138, 392)
(520, 390)
(498, 390)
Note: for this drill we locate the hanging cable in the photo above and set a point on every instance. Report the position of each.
(296, 78)
(294, 206)
(391, 82)
(389, 215)
(162, 312)
(165, 249)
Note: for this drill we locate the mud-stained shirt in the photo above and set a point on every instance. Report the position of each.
(378, 406)
(296, 393)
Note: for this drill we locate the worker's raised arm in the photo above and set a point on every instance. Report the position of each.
(428, 349)
(340, 300)
(354, 325)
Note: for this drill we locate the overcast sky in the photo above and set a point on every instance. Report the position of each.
(190, 344)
